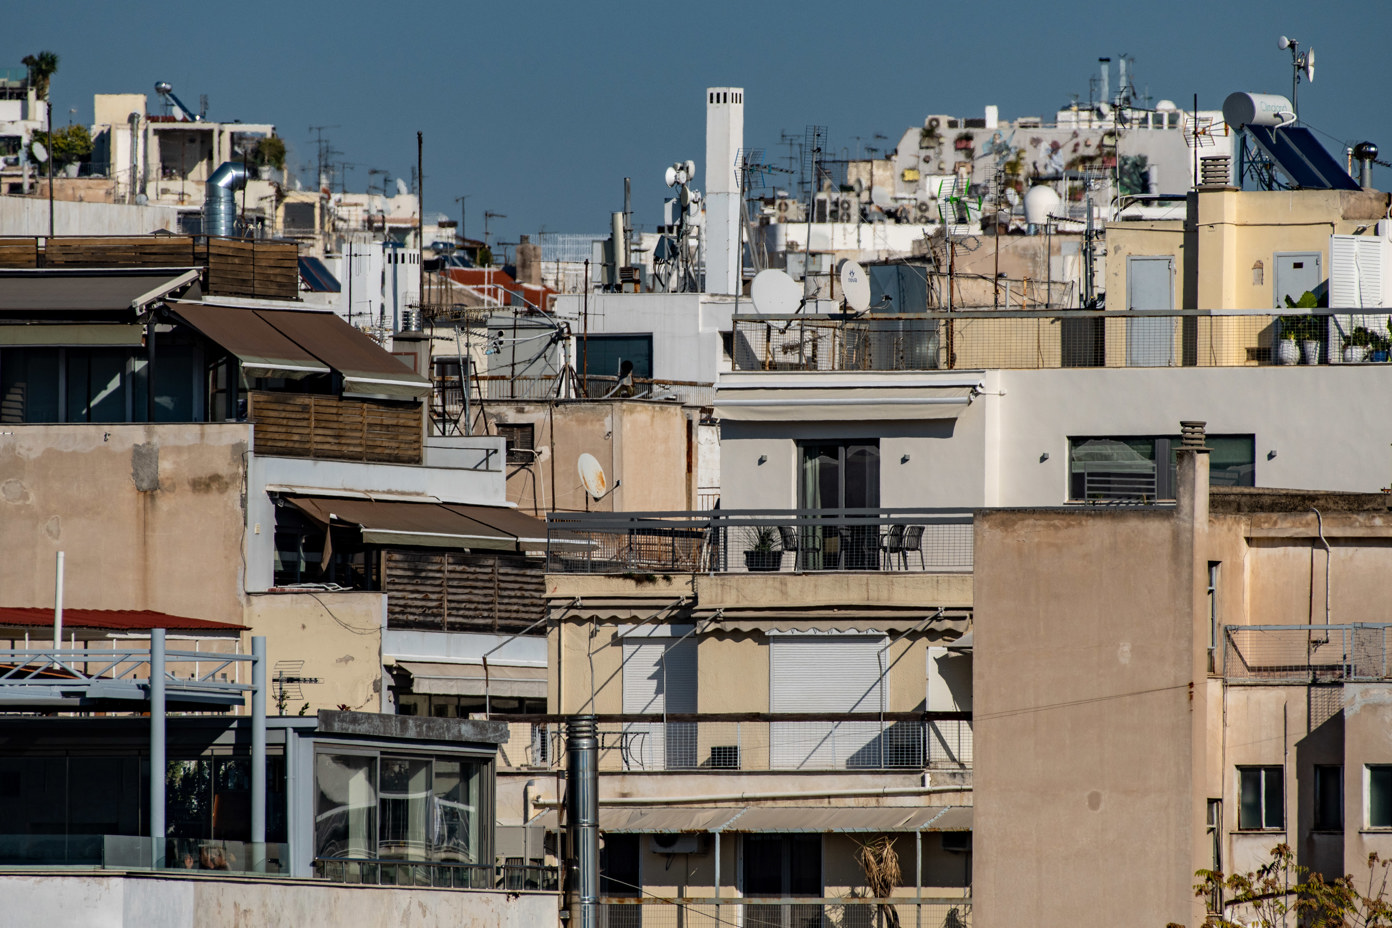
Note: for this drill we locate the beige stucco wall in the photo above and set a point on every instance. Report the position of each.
(337, 635)
(148, 516)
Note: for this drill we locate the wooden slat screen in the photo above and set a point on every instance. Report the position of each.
(252, 268)
(332, 428)
(148, 251)
(458, 591)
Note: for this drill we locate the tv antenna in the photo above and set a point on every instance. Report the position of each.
(1300, 64)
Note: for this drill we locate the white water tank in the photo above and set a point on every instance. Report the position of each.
(1257, 109)
(1040, 202)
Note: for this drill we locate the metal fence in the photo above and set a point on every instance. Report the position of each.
(910, 912)
(1301, 654)
(893, 743)
(495, 387)
(1034, 340)
(435, 875)
(760, 540)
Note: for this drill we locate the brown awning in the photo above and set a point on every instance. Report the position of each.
(259, 345)
(52, 292)
(468, 679)
(367, 370)
(440, 525)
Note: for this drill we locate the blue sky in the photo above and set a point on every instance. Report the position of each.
(538, 111)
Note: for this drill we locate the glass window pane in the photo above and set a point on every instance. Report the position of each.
(1249, 812)
(619, 873)
(404, 798)
(1380, 797)
(805, 865)
(862, 476)
(346, 807)
(455, 822)
(1274, 800)
(29, 385)
(1329, 797)
(763, 865)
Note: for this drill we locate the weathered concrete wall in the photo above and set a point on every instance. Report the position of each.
(1084, 728)
(118, 900)
(149, 516)
(337, 635)
(29, 216)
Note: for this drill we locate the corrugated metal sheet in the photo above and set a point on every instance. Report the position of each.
(313, 426)
(457, 591)
(108, 618)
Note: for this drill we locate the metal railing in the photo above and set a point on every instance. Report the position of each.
(1037, 340)
(784, 912)
(758, 540)
(1301, 654)
(435, 874)
(896, 741)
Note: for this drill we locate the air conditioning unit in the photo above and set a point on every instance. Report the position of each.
(674, 844)
(958, 842)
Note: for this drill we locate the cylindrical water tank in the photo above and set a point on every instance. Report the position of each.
(1040, 202)
(1257, 109)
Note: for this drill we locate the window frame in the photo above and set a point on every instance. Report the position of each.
(1323, 775)
(1264, 773)
(1368, 823)
(1162, 454)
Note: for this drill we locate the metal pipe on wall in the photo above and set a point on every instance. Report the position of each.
(220, 201)
(157, 762)
(258, 754)
(582, 813)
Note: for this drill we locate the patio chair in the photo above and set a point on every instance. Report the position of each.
(913, 541)
(795, 543)
(892, 544)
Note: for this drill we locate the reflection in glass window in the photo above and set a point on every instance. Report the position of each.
(346, 805)
(1144, 467)
(455, 824)
(402, 809)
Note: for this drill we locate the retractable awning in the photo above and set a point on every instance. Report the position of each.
(438, 525)
(48, 293)
(447, 679)
(259, 345)
(776, 819)
(803, 402)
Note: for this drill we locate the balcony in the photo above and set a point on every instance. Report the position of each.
(760, 540)
(1043, 340)
(1304, 654)
(890, 741)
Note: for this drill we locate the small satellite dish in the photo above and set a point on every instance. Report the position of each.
(670, 176)
(1283, 43)
(881, 197)
(1012, 197)
(859, 185)
(40, 153)
(1310, 65)
(592, 476)
(1104, 110)
(775, 293)
(855, 285)
(690, 169)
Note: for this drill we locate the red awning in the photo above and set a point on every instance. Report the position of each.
(115, 619)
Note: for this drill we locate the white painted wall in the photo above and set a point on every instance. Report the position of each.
(464, 648)
(29, 216)
(685, 327)
(121, 900)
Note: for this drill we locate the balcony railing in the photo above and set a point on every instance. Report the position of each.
(785, 912)
(434, 874)
(893, 741)
(1302, 654)
(1038, 340)
(757, 540)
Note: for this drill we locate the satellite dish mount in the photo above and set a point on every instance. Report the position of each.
(1301, 64)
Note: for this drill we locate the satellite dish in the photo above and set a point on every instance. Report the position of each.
(592, 476)
(690, 169)
(400, 187)
(881, 198)
(40, 153)
(1012, 197)
(670, 176)
(1283, 43)
(1104, 110)
(1310, 65)
(855, 285)
(775, 293)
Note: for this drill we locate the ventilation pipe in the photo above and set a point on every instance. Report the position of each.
(582, 820)
(220, 202)
(1365, 153)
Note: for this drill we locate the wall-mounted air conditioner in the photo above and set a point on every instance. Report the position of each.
(958, 842)
(674, 844)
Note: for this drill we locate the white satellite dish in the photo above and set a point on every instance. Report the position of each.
(775, 293)
(855, 285)
(592, 476)
(881, 197)
(690, 169)
(1283, 43)
(670, 176)
(1012, 197)
(40, 153)
(1310, 65)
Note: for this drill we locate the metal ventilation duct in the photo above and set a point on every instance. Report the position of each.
(220, 201)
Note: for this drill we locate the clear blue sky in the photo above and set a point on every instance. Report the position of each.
(539, 110)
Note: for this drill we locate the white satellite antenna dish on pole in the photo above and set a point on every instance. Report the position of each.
(881, 197)
(592, 477)
(40, 153)
(775, 293)
(855, 285)
(1310, 64)
(670, 176)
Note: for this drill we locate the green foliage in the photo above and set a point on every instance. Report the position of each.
(1134, 174)
(69, 145)
(271, 151)
(763, 538)
(485, 257)
(41, 69)
(1280, 888)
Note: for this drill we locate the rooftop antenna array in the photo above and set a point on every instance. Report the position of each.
(1300, 65)
(676, 256)
(752, 171)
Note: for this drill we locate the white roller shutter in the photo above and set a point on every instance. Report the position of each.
(659, 676)
(826, 673)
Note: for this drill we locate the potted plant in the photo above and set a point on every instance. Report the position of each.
(1286, 351)
(1356, 345)
(1379, 346)
(762, 553)
(1308, 327)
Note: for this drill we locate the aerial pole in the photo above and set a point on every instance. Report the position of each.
(420, 220)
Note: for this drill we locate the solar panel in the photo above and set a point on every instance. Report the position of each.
(1301, 157)
(317, 277)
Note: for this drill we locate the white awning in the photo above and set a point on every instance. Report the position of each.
(857, 403)
(449, 679)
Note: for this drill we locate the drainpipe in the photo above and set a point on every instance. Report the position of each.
(157, 762)
(582, 814)
(220, 202)
(1328, 556)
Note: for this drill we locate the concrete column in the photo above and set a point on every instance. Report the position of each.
(157, 762)
(258, 753)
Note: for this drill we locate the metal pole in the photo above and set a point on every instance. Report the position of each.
(717, 878)
(582, 789)
(58, 605)
(258, 753)
(918, 879)
(157, 762)
(48, 106)
(420, 220)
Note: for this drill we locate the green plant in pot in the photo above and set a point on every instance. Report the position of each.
(1356, 344)
(1308, 329)
(1380, 345)
(763, 552)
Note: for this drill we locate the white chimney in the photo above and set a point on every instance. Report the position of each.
(724, 139)
(992, 116)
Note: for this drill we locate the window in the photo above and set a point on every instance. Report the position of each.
(602, 356)
(1143, 467)
(620, 865)
(521, 441)
(659, 676)
(833, 674)
(1261, 798)
(1329, 797)
(779, 866)
(840, 475)
(1379, 795)
(299, 553)
(1213, 569)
